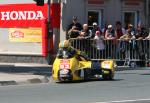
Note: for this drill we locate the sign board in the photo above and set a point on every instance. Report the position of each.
(25, 35)
(22, 15)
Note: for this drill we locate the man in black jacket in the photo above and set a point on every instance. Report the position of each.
(74, 28)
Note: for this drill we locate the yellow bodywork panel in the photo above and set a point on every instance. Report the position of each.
(108, 64)
(74, 65)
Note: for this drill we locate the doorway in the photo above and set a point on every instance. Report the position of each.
(94, 16)
(130, 17)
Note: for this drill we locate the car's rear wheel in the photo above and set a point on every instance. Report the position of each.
(109, 76)
(86, 75)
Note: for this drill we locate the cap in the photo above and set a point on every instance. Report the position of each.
(94, 23)
(109, 26)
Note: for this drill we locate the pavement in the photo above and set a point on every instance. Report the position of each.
(23, 73)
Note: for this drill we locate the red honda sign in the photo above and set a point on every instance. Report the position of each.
(22, 15)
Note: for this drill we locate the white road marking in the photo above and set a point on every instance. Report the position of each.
(124, 101)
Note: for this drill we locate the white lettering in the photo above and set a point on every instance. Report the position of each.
(22, 15)
(14, 15)
(5, 15)
(39, 15)
(31, 15)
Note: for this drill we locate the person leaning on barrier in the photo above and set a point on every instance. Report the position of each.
(129, 33)
(110, 33)
(85, 33)
(94, 29)
(111, 40)
(73, 32)
(141, 33)
(119, 29)
(74, 27)
(125, 42)
(84, 39)
(105, 28)
(135, 43)
(99, 41)
(148, 37)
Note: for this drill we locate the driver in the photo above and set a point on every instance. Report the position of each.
(66, 46)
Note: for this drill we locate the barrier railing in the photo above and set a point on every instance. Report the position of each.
(120, 50)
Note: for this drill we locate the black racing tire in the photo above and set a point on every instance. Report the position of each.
(109, 76)
(86, 76)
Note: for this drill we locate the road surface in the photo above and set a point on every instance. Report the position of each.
(131, 86)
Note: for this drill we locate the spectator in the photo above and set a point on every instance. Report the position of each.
(141, 33)
(73, 32)
(84, 39)
(130, 30)
(85, 33)
(141, 45)
(99, 40)
(95, 28)
(104, 29)
(110, 33)
(134, 45)
(148, 37)
(76, 24)
(125, 44)
(119, 29)
(98, 46)
(111, 36)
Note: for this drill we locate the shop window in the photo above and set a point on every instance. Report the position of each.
(94, 16)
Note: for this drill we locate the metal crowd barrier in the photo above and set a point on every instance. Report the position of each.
(119, 50)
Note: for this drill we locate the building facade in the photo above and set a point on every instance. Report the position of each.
(105, 11)
(87, 11)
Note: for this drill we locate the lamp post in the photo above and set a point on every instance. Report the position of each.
(50, 33)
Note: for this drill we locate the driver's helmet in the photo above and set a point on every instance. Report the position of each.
(64, 44)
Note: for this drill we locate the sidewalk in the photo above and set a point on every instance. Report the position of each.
(20, 79)
(24, 73)
(25, 64)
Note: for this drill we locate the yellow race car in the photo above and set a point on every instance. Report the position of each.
(71, 65)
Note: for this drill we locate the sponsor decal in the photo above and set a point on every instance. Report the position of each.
(25, 35)
(17, 34)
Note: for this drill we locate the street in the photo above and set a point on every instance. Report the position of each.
(128, 86)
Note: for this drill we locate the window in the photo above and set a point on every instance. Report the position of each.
(130, 17)
(94, 16)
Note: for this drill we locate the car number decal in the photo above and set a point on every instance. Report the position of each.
(64, 64)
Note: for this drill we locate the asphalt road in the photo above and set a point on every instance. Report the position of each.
(131, 86)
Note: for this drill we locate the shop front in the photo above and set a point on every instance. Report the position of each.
(104, 11)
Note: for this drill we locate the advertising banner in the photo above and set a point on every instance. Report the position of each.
(22, 15)
(25, 35)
